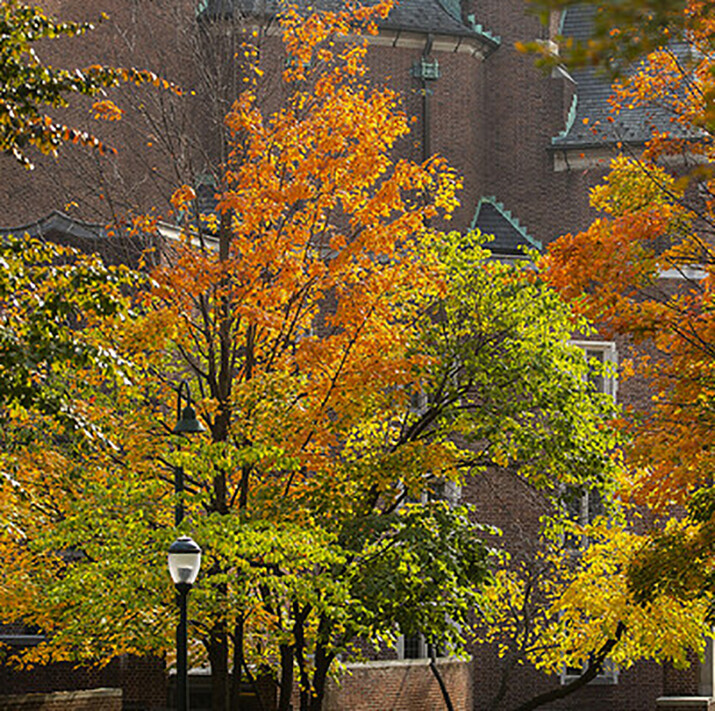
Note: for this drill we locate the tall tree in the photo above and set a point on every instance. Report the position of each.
(350, 362)
(644, 269)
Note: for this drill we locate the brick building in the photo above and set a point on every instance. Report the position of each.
(515, 134)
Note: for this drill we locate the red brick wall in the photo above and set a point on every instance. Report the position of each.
(142, 679)
(520, 109)
(400, 686)
(492, 119)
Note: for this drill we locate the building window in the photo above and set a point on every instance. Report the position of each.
(414, 646)
(437, 490)
(603, 357)
(608, 674)
(584, 506)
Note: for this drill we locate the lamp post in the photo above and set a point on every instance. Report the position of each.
(186, 423)
(184, 553)
(184, 564)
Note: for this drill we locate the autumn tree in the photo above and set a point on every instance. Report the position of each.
(563, 603)
(315, 263)
(643, 269)
(623, 31)
(348, 361)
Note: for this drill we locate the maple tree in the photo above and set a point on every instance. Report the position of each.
(644, 269)
(350, 362)
(348, 551)
(307, 184)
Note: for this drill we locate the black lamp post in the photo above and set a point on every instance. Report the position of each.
(184, 564)
(186, 423)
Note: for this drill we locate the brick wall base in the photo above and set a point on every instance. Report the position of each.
(89, 700)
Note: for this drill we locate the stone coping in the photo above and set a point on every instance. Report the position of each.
(392, 663)
(685, 701)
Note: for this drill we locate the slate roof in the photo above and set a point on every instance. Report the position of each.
(593, 89)
(57, 224)
(435, 16)
(87, 237)
(432, 16)
(492, 218)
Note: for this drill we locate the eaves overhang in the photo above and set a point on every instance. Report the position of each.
(475, 46)
(586, 155)
(56, 223)
(411, 24)
(591, 155)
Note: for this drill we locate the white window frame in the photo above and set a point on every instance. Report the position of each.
(609, 671)
(422, 646)
(423, 649)
(610, 355)
(452, 494)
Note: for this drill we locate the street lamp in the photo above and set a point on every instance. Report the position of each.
(184, 564)
(186, 423)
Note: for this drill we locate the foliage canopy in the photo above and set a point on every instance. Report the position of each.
(352, 361)
(644, 269)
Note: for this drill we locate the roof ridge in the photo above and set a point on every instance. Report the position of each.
(570, 119)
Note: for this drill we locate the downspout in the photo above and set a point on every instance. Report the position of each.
(426, 108)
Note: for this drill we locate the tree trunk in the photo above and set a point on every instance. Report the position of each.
(218, 659)
(440, 680)
(285, 688)
(300, 652)
(320, 677)
(237, 666)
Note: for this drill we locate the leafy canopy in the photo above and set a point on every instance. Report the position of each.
(349, 362)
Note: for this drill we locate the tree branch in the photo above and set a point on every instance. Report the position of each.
(590, 673)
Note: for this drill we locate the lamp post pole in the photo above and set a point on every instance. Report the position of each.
(182, 670)
(186, 423)
(184, 553)
(184, 565)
